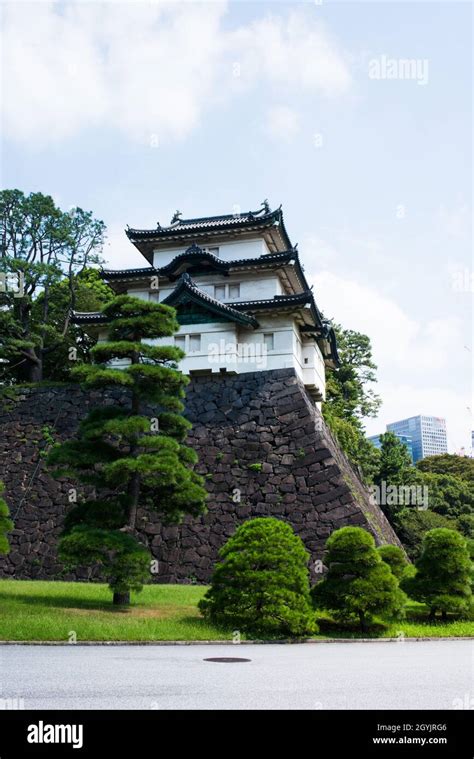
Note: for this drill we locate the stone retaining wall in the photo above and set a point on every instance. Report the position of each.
(263, 448)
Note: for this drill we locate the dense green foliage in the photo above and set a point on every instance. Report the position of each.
(438, 493)
(6, 523)
(358, 584)
(261, 584)
(395, 465)
(132, 456)
(43, 252)
(350, 399)
(395, 558)
(91, 294)
(443, 573)
(449, 463)
(449, 495)
(412, 526)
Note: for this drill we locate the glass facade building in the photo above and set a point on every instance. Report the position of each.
(427, 433)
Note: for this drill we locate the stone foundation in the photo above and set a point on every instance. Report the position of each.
(263, 449)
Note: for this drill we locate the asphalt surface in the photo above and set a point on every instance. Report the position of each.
(382, 675)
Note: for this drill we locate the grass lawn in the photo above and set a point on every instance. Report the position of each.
(37, 610)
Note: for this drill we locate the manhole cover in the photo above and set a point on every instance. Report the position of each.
(226, 659)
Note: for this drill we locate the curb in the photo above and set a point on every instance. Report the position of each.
(310, 641)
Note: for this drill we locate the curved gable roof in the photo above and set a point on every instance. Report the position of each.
(187, 292)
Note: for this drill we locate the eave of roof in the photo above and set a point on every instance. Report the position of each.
(195, 255)
(91, 317)
(231, 221)
(277, 301)
(185, 229)
(127, 274)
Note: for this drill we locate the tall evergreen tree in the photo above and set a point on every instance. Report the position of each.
(396, 466)
(350, 399)
(132, 455)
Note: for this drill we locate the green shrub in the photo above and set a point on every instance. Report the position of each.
(6, 523)
(261, 584)
(412, 526)
(358, 583)
(443, 573)
(395, 558)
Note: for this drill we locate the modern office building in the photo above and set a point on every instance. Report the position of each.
(427, 433)
(405, 439)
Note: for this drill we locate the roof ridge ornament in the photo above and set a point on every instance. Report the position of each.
(176, 217)
(266, 206)
(194, 248)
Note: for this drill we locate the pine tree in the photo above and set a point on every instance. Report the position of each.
(133, 456)
(358, 583)
(261, 584)
(395, 558)
(443, 573)
(6, 523)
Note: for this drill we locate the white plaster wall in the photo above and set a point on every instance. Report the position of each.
(229, 346)
(253, 286)
(228, 251)
(225, 345)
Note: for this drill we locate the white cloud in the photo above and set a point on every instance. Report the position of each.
(417, 361)
(282, 123)
(141, 68)
(296, 51)
(148, 69)
(399, 342)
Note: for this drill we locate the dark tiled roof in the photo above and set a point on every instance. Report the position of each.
(196, 254)
(128, 273)
(91, 317)
(192, 254)
(187, 290)
(299, 299)
(241, 221)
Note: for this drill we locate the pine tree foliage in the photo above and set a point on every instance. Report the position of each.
(133, 455)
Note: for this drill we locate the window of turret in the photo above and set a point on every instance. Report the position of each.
(268, 340)
(180, 341)
(194, 343)
(219, 292)
(234, 292)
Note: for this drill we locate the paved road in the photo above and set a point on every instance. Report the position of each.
(383, 675)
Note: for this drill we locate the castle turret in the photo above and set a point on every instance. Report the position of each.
(242, 299)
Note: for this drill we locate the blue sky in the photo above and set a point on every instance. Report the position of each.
(136, 109)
